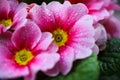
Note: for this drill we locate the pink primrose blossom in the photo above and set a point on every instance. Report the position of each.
(12, 14)
(26, 51)
(72, 30)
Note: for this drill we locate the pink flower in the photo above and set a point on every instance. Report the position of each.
(112, 26)
(72, 30)
(12, 14)
(99, 9)
(29, 52)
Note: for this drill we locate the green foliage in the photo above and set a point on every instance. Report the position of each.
(87, 69)
(109, 60)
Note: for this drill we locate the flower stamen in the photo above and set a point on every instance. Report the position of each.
(6, 22)
(22, 57)
(60, 37)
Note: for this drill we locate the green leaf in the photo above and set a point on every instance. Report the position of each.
(109, 60)
(112, 77)
(87, 69)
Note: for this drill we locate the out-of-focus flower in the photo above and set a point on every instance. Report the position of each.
(29, 52)
(12, 14)
(72, 30)
(112, 26)
(99, 9)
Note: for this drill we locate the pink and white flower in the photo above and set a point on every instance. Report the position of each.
(12, 14)
(27, 52)
(72, 29)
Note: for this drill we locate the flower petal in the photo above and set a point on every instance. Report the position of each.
(13, 5)
(82, 33)
(44, 62)
(96, 5)
(53, 72)
(95, 49)
(82, 52)
(5, 39)
(2, 28)
(59, 10)
(31, 76)
(75, 12)
(100, 15)
(27, 36)
(42, 16)
(66, 60)
(52, 48)
(45, 41)
(4, 9)
(112, 26)
(19, 18)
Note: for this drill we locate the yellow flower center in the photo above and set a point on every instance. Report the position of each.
(22, 57)
(60, 37)
(6, 23)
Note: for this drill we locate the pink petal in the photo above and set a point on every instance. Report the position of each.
(42, 16)
(82, 37)
(30, 6)
(75, 12)
(45, 41)
(13, 5)
(2, 28)
(8, 67)
(114, 6)
(96, 5)
(31, 76)
(53, 72)
(5, 39)
(100, 32)
(100, 15)
(66, 60)
(95, 49)
(59, 10)
(27, 36)
(52, 48)
(19, 18)
(112, 26)
(97, 31)
(81, 28)
(44, 62)
(85, 42)
(82, 34)
(22, 5)
(4, 9)
(82, 52)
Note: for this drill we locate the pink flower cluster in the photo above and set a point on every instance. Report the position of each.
(50, 37)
